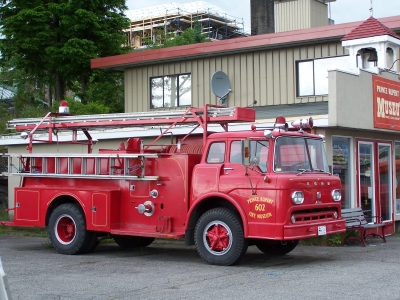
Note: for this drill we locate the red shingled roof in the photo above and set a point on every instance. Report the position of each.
(371, 27)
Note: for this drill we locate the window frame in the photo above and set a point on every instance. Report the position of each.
(178, 96)
(314, 78)
(216, 157)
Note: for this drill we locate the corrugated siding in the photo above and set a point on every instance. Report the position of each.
(292, 15)
(318, 14)
(300, 14)
(267, 76)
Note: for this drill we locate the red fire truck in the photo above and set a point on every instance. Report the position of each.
(221, 191)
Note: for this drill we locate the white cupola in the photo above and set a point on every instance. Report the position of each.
(372, 46)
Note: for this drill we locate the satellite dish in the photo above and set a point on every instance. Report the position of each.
(221, 86)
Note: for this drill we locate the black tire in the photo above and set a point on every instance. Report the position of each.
(276, 248)
(67, 230)
(131, 242)
(229, 246)
(92, 244)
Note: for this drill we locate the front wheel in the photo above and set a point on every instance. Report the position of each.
(67, 230)
(219, 237)
(276, 248)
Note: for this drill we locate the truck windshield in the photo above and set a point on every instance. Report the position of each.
(300, 154)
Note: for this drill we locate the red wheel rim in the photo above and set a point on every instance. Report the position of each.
(65, 229)
(217, 238)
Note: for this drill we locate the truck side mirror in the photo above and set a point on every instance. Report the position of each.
(255, 161)
(246, 152)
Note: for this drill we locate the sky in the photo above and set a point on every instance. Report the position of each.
(341, 11)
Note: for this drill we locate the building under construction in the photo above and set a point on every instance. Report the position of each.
(174, 18)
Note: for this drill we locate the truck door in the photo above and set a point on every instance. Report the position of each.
(256, 197)
(206, 176)
(233, 178)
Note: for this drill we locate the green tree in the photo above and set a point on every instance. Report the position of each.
(105, 88)
(191, 35)
(53, 41)
(78, 108)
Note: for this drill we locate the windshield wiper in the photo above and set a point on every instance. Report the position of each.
(319, 170)
(302, 171)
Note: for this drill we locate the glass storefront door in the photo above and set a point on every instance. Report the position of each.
(397, 177)
(375, 178)
(385, 182)
(342, 160)
(366, 177)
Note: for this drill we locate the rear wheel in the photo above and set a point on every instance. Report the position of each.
(219, 237)
(67, 230)
(276, 248)
(126, 241)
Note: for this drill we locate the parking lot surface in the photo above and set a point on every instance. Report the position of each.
(169, 270)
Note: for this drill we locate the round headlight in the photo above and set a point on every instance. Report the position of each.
(297, 197)
(336, 195)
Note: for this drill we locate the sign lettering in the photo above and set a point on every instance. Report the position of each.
(259, 208)
(386, 103)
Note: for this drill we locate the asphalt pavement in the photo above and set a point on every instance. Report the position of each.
(169, 270)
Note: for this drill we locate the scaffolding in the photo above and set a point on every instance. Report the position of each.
(174, 18)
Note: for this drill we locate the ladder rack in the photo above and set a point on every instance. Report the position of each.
(89, 166)
(213, 114)
(200, 117)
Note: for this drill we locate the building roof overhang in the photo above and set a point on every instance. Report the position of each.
(322, 34)
(372, 39)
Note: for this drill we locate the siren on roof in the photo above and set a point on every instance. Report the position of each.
(63, 108)
(280, 123)
(303, 123)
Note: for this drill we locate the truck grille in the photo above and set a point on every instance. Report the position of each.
(314, 215)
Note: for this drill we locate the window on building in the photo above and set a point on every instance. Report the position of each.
(171, 91)
(312, 75)
(341, 166)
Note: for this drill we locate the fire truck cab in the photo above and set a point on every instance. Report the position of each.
(267, 187)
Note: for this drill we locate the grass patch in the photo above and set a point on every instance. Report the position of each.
(3, 214)
(331, 240)
(107, 241)
(24, 231)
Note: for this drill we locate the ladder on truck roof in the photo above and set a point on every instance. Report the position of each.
(200, 117)
(88, 166)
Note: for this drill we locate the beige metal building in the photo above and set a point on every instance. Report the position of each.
(301, 73)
